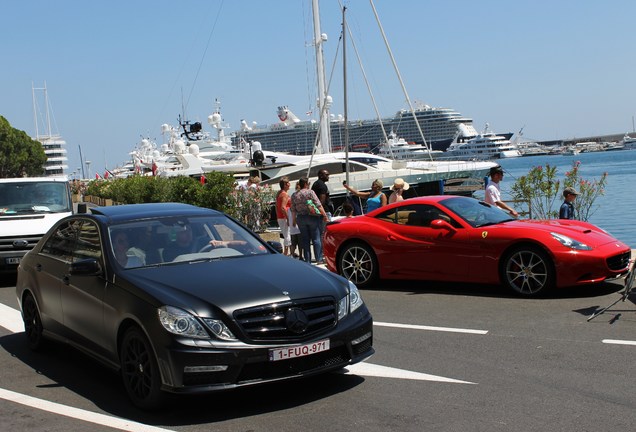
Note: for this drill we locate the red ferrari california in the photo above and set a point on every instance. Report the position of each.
(461, 239)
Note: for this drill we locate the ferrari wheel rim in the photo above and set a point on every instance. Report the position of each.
(527, 272)
(357, 265)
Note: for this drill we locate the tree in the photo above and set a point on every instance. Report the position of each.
(541, 189)
(20, 155)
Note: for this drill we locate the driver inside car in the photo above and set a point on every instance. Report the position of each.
(183, 243)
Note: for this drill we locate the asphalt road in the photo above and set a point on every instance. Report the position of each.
(449, 357)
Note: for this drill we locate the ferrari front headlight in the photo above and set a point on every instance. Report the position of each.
(570, 242)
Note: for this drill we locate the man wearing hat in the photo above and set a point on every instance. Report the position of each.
(567, 208)
(493, 192)
(399, 186)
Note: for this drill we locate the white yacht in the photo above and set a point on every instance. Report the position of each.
(399, 149)
(424, 177)
(628, 142)
(486, 145)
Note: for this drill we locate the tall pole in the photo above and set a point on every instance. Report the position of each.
(323, 98)
(344, 84)
(81, 161)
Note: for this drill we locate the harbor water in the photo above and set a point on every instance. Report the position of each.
(616, 209)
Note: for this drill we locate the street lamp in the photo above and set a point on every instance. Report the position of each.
(88, 169)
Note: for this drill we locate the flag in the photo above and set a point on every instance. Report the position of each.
(108, 174)
(97, 176)
(154, 168)
(202, 179)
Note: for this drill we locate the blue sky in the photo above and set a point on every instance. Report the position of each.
(116, 71)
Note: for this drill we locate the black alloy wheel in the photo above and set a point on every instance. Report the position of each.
(528, 271)
(33, 327)
(358, 264)
(139, 370)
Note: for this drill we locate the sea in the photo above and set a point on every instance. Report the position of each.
(615, 211)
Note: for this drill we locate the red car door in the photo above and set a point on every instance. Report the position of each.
(412, 248)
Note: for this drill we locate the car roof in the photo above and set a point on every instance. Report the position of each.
(129, 212)
(34, 179)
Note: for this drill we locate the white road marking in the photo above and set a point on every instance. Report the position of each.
(619, 342)
(76, 413)
(367, 369)
(421, 327)
(11, 319)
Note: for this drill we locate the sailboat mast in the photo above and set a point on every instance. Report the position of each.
(344, 84)
(324, 100)
(397, 71)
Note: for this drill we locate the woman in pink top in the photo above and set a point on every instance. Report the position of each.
(283, 203)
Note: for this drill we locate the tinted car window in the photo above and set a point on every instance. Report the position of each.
(88, 244)
(62, 241)
(414, 215)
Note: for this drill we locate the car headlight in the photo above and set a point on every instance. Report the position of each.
(219, 329)
(182, 323)
(350, 302)
(571, 243)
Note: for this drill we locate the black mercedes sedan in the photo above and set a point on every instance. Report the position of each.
(183, 299)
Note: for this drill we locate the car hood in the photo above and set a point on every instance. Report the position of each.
(578, 230)
(235, 283)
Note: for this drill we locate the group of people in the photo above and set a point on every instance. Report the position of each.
(493, 196)
(307, 211)
(302, 218)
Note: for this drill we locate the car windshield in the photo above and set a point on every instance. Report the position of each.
(476, 213)
(34, 197)
(156, 241)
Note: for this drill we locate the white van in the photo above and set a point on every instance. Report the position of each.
(29, 206)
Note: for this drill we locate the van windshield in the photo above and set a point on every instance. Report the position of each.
(34, 197)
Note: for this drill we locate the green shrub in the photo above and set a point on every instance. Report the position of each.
(543, 191)
(251, 206)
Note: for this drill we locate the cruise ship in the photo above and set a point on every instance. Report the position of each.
(439, 125)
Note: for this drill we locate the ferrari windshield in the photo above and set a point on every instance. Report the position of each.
(476, 213)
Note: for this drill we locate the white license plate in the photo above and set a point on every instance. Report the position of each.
(298, 351)
(15, 260)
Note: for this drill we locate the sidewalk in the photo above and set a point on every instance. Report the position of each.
(274, 235)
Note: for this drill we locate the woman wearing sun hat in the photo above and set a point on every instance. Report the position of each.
(399, 186)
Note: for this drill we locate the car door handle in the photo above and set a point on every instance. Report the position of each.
(38, 267)
(66, 280)
(391, 237)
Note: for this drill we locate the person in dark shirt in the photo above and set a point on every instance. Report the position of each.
(183, 243)
(322, 192)
(567, 208)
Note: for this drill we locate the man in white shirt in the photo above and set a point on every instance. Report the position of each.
(493, 192)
